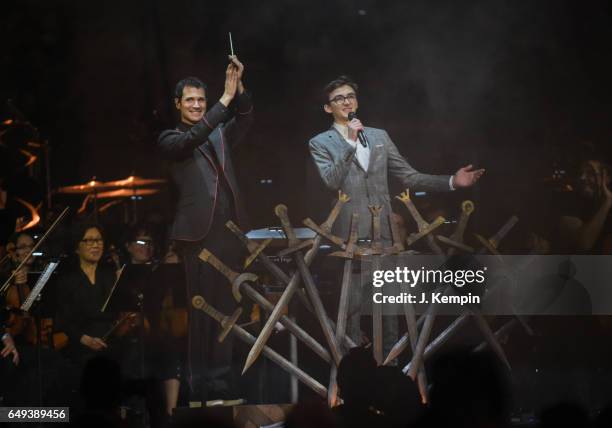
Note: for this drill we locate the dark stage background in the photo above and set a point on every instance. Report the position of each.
(510, 86)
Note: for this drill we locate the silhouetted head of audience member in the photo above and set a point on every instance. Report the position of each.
(564, 414)
(397, 397)
(469, 389)
(356, 377)
(311, 414)
(604, 418)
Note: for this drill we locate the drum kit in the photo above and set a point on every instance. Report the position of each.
(24, 161)
(110, 193)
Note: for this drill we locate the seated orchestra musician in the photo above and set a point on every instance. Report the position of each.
(168, 324)
(83, 291)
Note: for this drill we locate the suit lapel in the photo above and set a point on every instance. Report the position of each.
(339, 139)
(375, 151)
(218, 144)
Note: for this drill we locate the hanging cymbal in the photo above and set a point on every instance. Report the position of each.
(126, 193)
(135, 181)
(92, 186)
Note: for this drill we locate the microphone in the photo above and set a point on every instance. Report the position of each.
(360, 134)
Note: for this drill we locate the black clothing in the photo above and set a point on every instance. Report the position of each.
(8, 220)
(202, 170)
(572, 204)
(79, 309)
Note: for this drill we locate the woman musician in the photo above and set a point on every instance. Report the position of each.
(82, 292)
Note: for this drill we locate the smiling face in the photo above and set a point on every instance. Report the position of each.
(192, 105)
(91, 246)
(341, 102)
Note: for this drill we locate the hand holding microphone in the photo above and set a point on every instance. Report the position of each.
(355, 125)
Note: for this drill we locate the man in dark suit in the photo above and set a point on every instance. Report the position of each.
(201, 168)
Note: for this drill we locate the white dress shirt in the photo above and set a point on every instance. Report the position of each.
(362, 154)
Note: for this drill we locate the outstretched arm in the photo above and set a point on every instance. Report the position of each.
(410, 177)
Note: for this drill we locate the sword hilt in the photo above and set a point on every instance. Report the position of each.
(282, 213)
(487, 244)
(430, 228)
(404, 197)
(199, 303)
(467, 207)
(251, 245)
(227, 323)
(210, 258)
(343, 198)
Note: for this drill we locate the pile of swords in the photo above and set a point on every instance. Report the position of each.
(302, 284)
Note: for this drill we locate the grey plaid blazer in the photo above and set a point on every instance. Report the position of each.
(339, 169)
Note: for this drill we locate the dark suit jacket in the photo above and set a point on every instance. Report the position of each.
(195, 172)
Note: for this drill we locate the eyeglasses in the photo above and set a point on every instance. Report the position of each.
(90, 242)
(341, 99)
(147, 242)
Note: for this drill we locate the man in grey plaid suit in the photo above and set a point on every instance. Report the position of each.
(361, 172)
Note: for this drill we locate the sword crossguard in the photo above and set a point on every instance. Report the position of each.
(343, 198)
(235, 278)
(228, 323)
(416, 215)
(333, 238)
(289, 250)
(252, 246)
(490, 246)
(424, 232)
(256, 251)
(404, 196)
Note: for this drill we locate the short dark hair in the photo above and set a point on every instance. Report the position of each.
(335, 84)
(79, 231)
(138, 230)
(191, 81)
